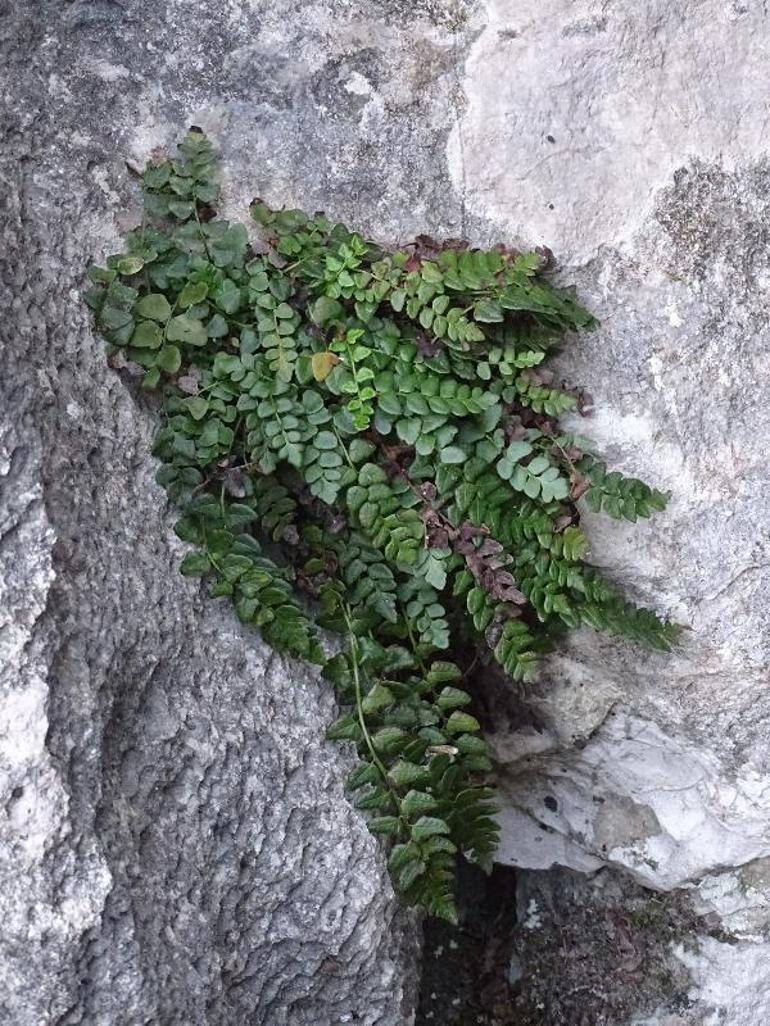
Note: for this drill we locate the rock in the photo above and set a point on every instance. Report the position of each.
(174, 837)
(175, 843)
(597, 951)
(614, 136)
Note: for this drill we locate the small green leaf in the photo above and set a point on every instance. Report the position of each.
(517, 451)
(324, 310)
(217, 327)
(227, 296)
(462, 723)
(378, 698)
(411, 872)
(113, 319)
(346, 728)
(442, 671)
(531, 487)
(397, 299)
(156, 175)
(359, 449)
(194, 564)
(469, 744)
(404, 773)
(147, 335)
(452, 454)
(389, 404)
(155, 306)
(408, 430)
(435, 574)
(169, 359)
(428, 826)
(184, 328)
(325, 440)
(366, 773)
(196, 406)
(101, 275)
(451, 698)
(388, 739)
(181, 208)
(487, 311)
(417, 802)
(130, 265)
(385, 825)
(194, 292)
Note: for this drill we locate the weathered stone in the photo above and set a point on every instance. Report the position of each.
(597, 951)
(614, 135)
(175, 843)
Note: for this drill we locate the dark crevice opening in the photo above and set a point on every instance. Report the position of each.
(466, 972)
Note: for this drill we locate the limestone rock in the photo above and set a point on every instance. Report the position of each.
(175, 843)
(613, 134)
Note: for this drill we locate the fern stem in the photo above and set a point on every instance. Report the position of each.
(381, 768)
(200, 230)
(413, 642)
(344, 448)
(359, 696)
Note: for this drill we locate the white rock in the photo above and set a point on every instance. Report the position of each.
(616, 135)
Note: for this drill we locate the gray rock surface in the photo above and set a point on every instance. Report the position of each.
(175, 843)
(174, 840)
(617, 134)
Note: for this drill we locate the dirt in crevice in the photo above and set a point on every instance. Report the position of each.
(599, 950)
(557, 948)
(465, 968)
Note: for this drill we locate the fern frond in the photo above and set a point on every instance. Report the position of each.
(367, 441)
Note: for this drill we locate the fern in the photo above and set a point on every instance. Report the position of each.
(366, 441)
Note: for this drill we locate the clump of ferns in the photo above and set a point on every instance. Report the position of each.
(366, 441)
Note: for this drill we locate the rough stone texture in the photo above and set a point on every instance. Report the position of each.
(175, 844)
(598, 951)
(616, 134)
(174, 840)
